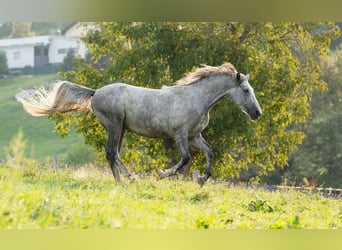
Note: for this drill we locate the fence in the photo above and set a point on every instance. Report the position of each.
(330, 192)
(327, 192)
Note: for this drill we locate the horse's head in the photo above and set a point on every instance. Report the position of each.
(243, 96)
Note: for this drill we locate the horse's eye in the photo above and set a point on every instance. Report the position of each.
(246, 90)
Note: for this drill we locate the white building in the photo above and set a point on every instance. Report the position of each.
(41, 51)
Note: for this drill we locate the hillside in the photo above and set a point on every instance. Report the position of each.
(38, 131)
(38, 197)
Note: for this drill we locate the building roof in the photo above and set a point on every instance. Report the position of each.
(34, 40)
(68, 27)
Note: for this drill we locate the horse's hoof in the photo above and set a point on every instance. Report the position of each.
(117, 179)
(161, 174)
(132, 178)
(201, 180)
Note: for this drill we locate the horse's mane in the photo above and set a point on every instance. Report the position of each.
(206, 71)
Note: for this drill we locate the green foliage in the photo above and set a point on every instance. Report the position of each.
(3, 64)
(291, 223)
(319, 158)
(281, 57)
(5, 29)
(198, 197)
(16, 149)
(19, 165)
(259, 205)
(21, 29)
(48, 28)
(37, 28)
(77, 155)
(68, 61)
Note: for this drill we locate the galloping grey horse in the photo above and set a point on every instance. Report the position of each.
(180, 112)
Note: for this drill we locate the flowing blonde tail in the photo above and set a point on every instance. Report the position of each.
(62, 97)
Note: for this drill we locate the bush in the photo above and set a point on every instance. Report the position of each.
(79, 155)
(3, 64)
(68, 61)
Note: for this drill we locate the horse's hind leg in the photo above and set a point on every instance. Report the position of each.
(201, 144)
(110, 155)
(115, 135)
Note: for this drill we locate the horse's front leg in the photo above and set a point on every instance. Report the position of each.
(183, 147)
(201, 144)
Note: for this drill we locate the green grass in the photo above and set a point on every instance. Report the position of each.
(33, 196)
(38, 131)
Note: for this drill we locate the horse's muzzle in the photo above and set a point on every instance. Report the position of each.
(255, 115)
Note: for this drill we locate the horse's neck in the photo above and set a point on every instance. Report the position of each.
(213, 89)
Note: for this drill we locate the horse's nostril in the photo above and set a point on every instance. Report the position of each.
(257, 113)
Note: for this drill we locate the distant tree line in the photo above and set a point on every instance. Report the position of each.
(27, 29)
(318, 161)
(3, 64)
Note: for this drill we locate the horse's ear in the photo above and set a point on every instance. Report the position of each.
(247, 76)
(238, 77)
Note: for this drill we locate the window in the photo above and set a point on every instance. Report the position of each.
(16, 55)
(64, 51)
(61, 51)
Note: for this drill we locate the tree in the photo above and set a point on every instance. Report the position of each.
(5, 29)
(68, 61)
(3, 64)
(48, 28)
(25, 29)
(21, 29)
(281, 57)
(319, 159)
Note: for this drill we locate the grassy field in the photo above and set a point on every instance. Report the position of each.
(38, 131)
(33, 196)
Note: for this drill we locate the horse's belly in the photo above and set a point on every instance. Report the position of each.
(200, 126)
(147, 126)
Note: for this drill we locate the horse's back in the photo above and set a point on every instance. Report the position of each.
(149, 112)
(139, 108)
